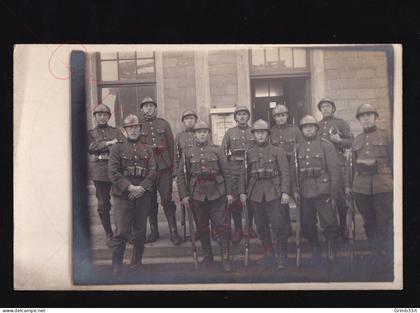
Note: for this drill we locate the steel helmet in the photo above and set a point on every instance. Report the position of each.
(201, 125)
(279, 109)
(366, 108)
(147, 100)
(260, 125)
(131, 120)
(101, 108)
(241, 108)
(328, 100)
(187, 113)
(308, 120)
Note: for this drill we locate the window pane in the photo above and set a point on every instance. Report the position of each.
(286, 56)
(127, 70)
(108, 55)
(109, 97)
(146, 66)
(299, 56)
(276, 89)
(261, 88)
(272, 57)
(109, 70)
(144, 54)
(146, 91)
(126, 55)
(258, 58)
(128, 100)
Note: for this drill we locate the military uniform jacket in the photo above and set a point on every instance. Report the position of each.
(98, 137)
(183, 140)
(207, 173)
(286, 136)
(131, 163)
(334, 124)
(267, 173)
(236, 141)
(372, 162)
(157, 133)
(319, 168)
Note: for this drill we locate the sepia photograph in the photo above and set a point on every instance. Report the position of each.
(249, 165)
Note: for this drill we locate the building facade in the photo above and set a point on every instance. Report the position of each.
(212, 82)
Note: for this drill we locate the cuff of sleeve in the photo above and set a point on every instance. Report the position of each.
(125, 185)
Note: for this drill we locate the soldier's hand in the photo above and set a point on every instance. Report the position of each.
(296, 195)
(243, 197)
(285, 198)
(229, 200)
(186, 202)
(348, 192)
(141, 192)
(112, 142)
(335, 138)
(131, 196)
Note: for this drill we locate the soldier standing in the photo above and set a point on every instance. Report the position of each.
(208, 191)
(372, 186)
(132, 170)
(185, 139)
(268, 191)
(236, 141)
(319, 178)
(338, 132)
(101, 138)
(157, 133)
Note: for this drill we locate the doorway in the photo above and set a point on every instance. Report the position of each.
(268, 92)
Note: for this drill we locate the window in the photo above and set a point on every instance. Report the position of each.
(278, 60)
(124, 79)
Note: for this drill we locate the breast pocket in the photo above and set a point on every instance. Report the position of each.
(127, 160)
(289, 145)
(213, 164)
(161, 136)
(380, 149)
(316, 160)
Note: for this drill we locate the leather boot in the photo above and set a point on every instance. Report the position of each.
(252, 233)
(269, 260)
(282, 262)
(175, 238)
(316, 254)
(237, 236)
(225, 254)
(154, 232)
(332, 251)
(237, 221)
(196, 235)
(136, 257)
(208, 254)
(106, 224)
(117, 262)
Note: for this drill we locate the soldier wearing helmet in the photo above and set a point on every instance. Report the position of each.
(207, 190)
(185, 138)
(236, 141)
(372, 186)
(338, 132)
(101, 138)
(132, 169)
(267, 190)
(319, 178)
(158, 133)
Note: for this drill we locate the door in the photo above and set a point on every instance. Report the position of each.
(269, 92)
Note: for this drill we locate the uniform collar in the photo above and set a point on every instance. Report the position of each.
(369, 130)
(311, 138)
(262, 144)
(103, 126)
(150, 117)
(281, 126)
(201, 144)
(133, 141)
(242, 127)
(331, 117)
(189, 130)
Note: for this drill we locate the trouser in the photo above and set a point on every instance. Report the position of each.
(272, 222)
(327, 217)
(130, 221)
(342, 207)
(236, 209)
(102, 190)
(163, 185)
(217, 212)
(377, 213)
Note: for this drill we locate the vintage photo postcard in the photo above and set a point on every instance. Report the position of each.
(216, 167)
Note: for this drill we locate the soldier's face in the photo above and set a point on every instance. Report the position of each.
(309, 130)
(242, 117)
(149, 108)
(280, 119)
(102, 118)
(326, 109)
(367, 119)
(133, 132)
(261, 135)
(189, 121)
(201, 135)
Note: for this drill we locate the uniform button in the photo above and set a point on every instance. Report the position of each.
(203, 167)
(367, 136)
(307, 163)
(307, 156)
(153, 139)
(367, 143)
(153, 133)
(308, 142)
(243, 131)
(307, 149)
(201, 154)
(201, 149)
(367, 152)
(243, 143)
(281, 136)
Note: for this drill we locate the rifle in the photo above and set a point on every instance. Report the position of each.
(183, 224)
(190, 216)
(246, 214)
(351, 212)
(298, 226)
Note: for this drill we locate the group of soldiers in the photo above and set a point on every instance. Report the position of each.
(257, 172)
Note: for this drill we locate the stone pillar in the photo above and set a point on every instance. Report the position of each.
(317, 79)
(244, 85)
(202, 85)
